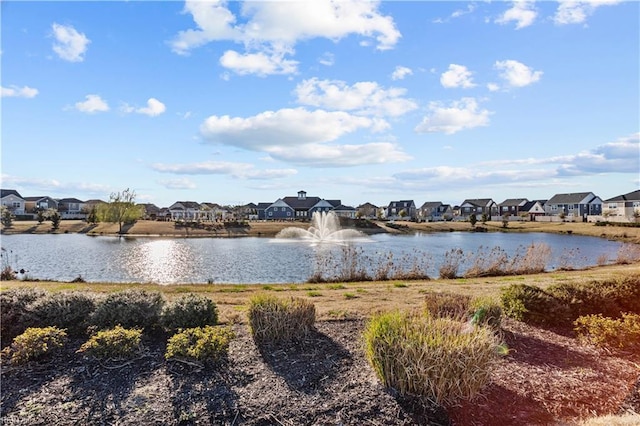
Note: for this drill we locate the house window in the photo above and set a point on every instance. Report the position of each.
(554, 207)
(270, 213)
(636, 204)
(504, 208)
(16, 204)
(288, 213)
(612, 206)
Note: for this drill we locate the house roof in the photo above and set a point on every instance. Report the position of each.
(478, 202)
(69, 200)
(431, 205)
(301, 203)
(571, 198)
(186, 204)
(631, 196)
(513, 202)
(529, 204)
(344, 208)
(7, 192)
(262, 206)
(367, 205)
(35, 198)
(401, 203)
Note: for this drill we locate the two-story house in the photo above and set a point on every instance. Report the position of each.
(367, 211)
(574, 206)
(33, 205)
(71, 208)
(13, 201)
(403, 209)
(185, 210)
(512, 208)
(625, 207)
(479, 207)
(435, 211)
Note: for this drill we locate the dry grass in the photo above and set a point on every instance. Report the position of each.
(274, 319)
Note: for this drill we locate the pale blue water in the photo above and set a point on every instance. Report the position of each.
(64, 257)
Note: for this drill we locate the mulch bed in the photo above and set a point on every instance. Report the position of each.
(547, 378)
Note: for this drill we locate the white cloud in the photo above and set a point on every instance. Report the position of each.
(366, 97)
(259, 63)
(154, 108)
(517, 74)
(471, 7)
(285, 127)
(270, 30)
(237, 170)
(459, 115)
(576, 12)
(19, 92)
(182, 183)
(69, 44)
(493, 87)
(400, 73)
(522, 12)
(457, 76)
(93, 104)
(327, 59)
(321, 155)
(621, 156)
(53, 186)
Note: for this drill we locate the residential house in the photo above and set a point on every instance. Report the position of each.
(214, 211)
(280, 211)
(511, 208)
(435, 211)
(322, 206)
(573, 206)
(479, 207)
(261, 210)
(71, 208)
(403, 209)
(185, 210)
(301, 204)
(33, 205)
(345, 211)
(151, 211)
(625, 207)
(533, 209)
(367, 211)
(13, 201)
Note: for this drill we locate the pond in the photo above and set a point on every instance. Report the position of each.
(64, 257)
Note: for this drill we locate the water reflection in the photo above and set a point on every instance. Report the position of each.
(64, 257)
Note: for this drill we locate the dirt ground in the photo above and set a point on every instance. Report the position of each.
(546, 379)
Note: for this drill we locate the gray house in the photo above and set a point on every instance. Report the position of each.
(35, 204)
(280, 211)
(71, 208)
(13, 201)
(403, 209)
(434, 211)
(574, 206)
(478, 206)
(512, 206)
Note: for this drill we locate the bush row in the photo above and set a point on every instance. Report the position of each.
(76, 312)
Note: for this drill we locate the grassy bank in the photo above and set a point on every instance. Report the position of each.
(270, 229)
(344, 300)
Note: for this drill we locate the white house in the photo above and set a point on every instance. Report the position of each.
(13, 201)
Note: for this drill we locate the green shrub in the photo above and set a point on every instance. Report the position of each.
(34, 343)
(273, 319)
(130, 309)
(189, 311)
(200, 343)
(68, 310)
(533, 305)
(486, 311)
(615, 333)
(439, 358)
(117, 342)
(447, 305)
(13, 308)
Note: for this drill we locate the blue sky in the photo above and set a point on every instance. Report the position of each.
(238, 102)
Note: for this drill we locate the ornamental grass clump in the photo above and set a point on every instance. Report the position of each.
(35, 343)
(447, 305)
(438, 358)
(68, 310)
(189, 311)
(613, 333)
(13, 310)
(118, 342)
(130, 309)
(273, 319)
(205, 344)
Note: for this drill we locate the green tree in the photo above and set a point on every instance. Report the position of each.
(473, 219)
(120, 209)
(54, 217)
(40, 215)
(485, 218)
(6, 217)
(92, 216)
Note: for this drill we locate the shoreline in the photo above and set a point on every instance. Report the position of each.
(269, 229)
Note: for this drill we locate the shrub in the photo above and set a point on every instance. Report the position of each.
(438, 358)
(130, 309)
(274, 319)
(70, 310)
(34, 343)
(117, 342)
(486, 311)
(608, 297)
(200, 343)
(189, 311)
(449, 305)
(533, 305)
(13, 307)
(620, 333)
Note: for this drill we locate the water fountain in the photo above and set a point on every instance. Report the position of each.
(325, 228)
